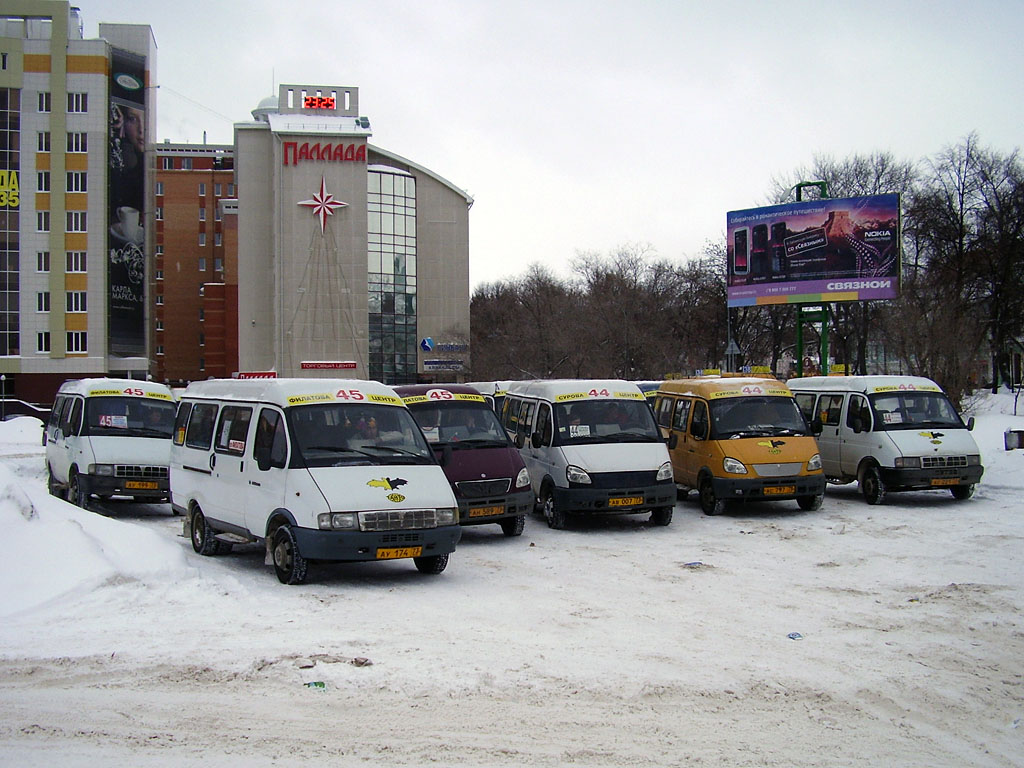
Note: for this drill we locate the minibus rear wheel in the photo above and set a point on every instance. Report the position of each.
(203, 541)
(288, 563)
(710, 503)
(52, 486)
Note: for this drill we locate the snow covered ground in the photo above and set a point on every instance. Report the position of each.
(610, 644)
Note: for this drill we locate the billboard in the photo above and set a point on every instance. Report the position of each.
(815, 251)
(126, 210)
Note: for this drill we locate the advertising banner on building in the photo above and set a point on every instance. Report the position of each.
(126, 235)
(843, 249)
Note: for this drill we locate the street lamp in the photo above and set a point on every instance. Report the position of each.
(3, 396)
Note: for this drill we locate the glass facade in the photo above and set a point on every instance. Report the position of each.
(10, 203)
(391, 276)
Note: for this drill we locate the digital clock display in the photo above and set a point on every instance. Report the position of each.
(318, 102)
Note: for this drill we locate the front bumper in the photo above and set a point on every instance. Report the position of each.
(919, 479)
(353, 546)
(760, 489)
(107, 485)
(496, 508)
(602, 501)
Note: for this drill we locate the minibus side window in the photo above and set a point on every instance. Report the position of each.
(682, 414)
(270, 448)
(806, 402)
(232, 429)
(200, 426)
(544, 426)
(65, 417)
(858, 409)
(663, 409)
(75, 421)
(699, 424)
(56, 412)
(180, 420)
(525, 419)
(830, 407)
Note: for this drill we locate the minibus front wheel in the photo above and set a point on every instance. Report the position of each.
(555, 516)
(289, 565)
(52, 485)
(709, 503)
(872, 485)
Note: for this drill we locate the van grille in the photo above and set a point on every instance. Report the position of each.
(777, 470)
(477, 489)
(939, 462)
(137, 472)
(397, 519)
(622, 480)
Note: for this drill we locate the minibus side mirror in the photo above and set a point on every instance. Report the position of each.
(699, 431)
(536, 440)
(816, 426)
(858, 425)
(673, 441)
(446, 455)
(970, 424)
(520, 439)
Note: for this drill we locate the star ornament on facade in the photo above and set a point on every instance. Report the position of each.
(323, 204)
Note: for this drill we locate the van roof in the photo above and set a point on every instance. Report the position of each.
(714, 387)
(865, 384)
(288, 392)
(415, 394)
(491, 387)
(564, 390)
(105, 386)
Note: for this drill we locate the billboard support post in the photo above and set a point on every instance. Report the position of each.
(802, 313)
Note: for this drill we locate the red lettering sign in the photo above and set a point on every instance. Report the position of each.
(316, 153)
(319, 365)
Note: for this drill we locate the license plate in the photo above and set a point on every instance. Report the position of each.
(779, 490)
(395, 553)
(140, 485)
(626, 501)
(485, 511)
(945, 481)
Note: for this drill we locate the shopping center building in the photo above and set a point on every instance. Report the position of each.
(352, 260)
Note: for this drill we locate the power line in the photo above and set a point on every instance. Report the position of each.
(196, 103)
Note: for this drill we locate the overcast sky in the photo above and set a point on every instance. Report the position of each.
(585, 126)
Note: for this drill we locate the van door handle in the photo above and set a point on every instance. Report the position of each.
(213, 460)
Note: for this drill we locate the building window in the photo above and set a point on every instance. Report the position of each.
(218, 264)
(159, 187)
(42, 261)
(159, 213)
(202, 339)
(202, 238)
(3, 61)
(43, 141)
(202, 290)
(159, 250)
(231, 190)
(216, 214)
(167, 163)
(202, 314)
(43, 301)
(42, 181)
(218, 238)
(77, 181)
(78, 141)
(78, 341)
(43, 341)
(42, 221)
(202, 214)
(78, 102)
(159, 299)
(75, 261)
(44, 102)
(202, 263)
(202, 189)
(159, 349)
(159, 325)
(186, 163)
(159, 274)
(76, 302)
(216, 190)
(202, 363)
(77, 221)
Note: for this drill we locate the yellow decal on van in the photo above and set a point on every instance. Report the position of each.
(387, 483)
(570, 396)
(628, 395)
(303, 399)
(750, 390)
(396, 497)
(906, 388)
(447, 396)
(933, 437)
(384, 399)
(130, 391)
(773, 446)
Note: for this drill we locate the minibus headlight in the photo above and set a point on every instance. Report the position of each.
(337, 521)
(733, 467)
(101, 469)
(523, 478)
(974, 460)
(576, 475)
(664, 471)
(447, 516)
(814, 463)
(907, 462)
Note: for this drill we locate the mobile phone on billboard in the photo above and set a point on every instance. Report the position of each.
(740, 252)
(759, 250)
(778, 247)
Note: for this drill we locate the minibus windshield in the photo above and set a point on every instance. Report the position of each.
(460, 424)
(605, 421)
(736, 417)
(913, 410)
(129, 417)
(335, 434)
